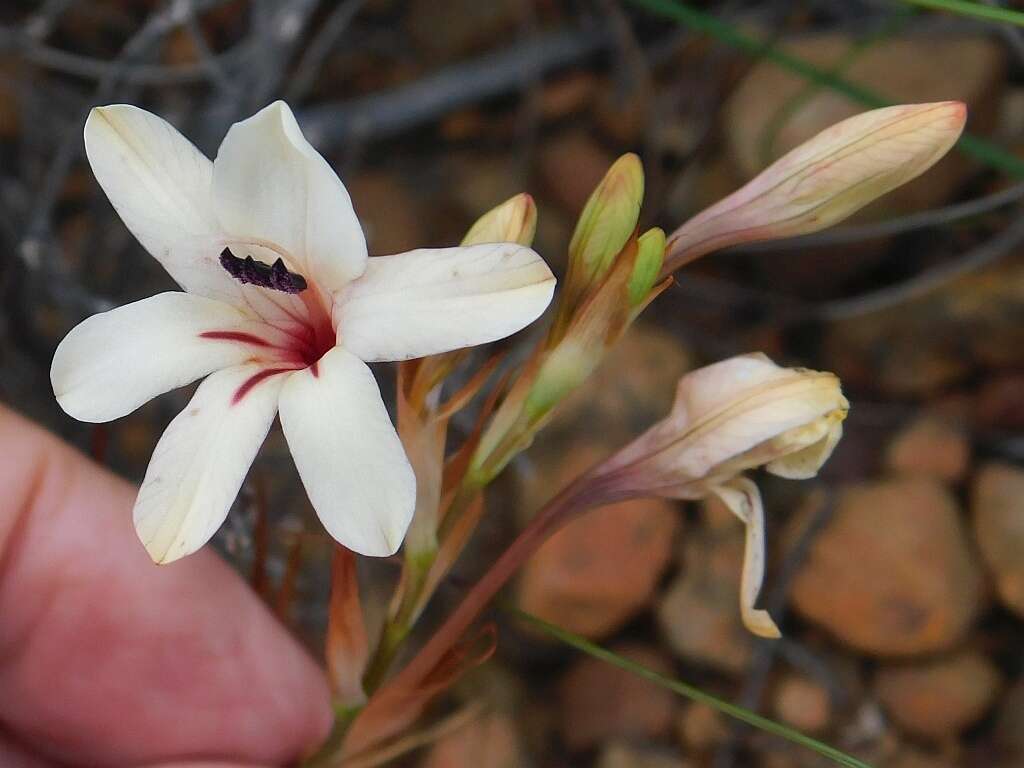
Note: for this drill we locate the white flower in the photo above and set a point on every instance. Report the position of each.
(289, 332)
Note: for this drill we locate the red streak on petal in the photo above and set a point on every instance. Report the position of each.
(255, 379)
(245, 338)
(314, 369)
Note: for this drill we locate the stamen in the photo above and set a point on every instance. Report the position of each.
(275, 276)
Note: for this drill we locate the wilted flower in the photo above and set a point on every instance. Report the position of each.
(282, 307)
(735, 415)
(825, 179)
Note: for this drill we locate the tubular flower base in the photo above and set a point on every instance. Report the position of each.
(281, 309)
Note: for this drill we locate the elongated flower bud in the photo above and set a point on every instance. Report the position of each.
(825, 179)
(607, 222)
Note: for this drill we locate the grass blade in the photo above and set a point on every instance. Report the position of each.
(690, 692)
(978, 148)
(974, 10)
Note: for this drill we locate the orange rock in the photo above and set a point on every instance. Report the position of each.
(700, 613)
(701, 728)
(571, 165)
(803, 703)
(931, 448)
(997, 508)
(892, 573)
(625, 755)
(939, 698)
(600, 702)
(602, 568)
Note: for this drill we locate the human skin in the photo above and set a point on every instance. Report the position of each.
(109, 660)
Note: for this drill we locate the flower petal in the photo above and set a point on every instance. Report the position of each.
(201, 460)
(430, 301)
(160, 186)
(113, 362)
(271, 185)
(804, 463)
(744, 500)
(348, 454)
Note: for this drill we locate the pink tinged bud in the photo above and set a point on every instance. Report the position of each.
(826, 179)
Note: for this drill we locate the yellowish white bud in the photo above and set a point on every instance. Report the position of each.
(514, 221)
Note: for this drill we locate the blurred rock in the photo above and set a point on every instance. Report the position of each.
(700, 613)
(615, 407)
(802, 703)
(570, 166)
(463, 25)
(1009, 730)
(999, 404)
(997, 507)
(600, 702)
(625, 755)
(489, 741)
(929, 447)
(701, 728)
(926, 344)
(892, 572)
(601, 569)
(567, 94)
(482, 180)
(909, 757)
(390, 214)
(939, 698)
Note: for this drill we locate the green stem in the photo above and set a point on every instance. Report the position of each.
(398, 627)
(690, 692)
(978, 148)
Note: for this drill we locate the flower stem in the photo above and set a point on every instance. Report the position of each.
(582, 494)
(414, 596)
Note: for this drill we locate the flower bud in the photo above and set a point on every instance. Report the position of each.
(735, 415)
(514, 221)
(649, 258)
(608, 221)
(825, 179)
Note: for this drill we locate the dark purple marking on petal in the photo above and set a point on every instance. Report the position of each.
(274, 276)
(255, 379)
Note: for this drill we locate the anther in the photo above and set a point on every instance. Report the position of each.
(275, 276)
